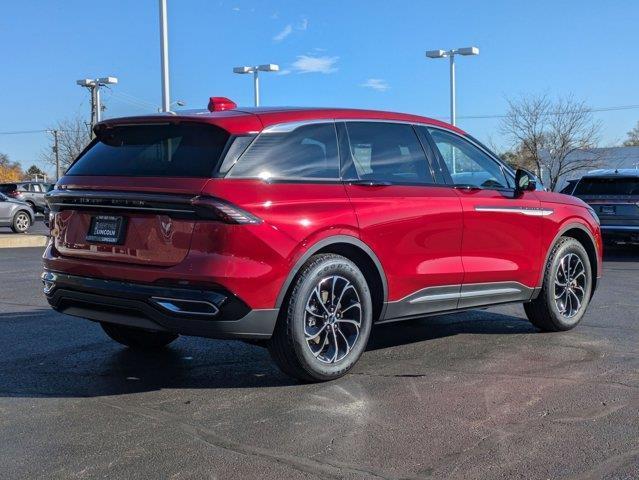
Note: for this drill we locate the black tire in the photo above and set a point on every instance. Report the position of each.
(546, 312)
(137, 338)
(291, 351)
(21, 221)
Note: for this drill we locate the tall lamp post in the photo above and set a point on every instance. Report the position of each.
(451, 55)
(269, 67)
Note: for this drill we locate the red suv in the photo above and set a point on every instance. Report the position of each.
(301, 228)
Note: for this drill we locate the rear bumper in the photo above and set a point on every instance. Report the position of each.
(628, 233)
(202, 313)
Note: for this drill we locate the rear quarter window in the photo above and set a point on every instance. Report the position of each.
(307, 152)
(158, 150)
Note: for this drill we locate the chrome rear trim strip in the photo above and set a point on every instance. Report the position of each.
(621, 227)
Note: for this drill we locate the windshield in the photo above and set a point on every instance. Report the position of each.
(608, 186)
(183, 150)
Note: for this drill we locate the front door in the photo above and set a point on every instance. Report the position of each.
(411, 223)
(501, 244)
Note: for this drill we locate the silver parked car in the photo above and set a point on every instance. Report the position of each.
(15, 214)
(30, 192)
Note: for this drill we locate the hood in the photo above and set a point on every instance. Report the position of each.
(560, 198)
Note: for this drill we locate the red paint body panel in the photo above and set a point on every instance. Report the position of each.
(423, 236)
(416, 231)
(500, 246)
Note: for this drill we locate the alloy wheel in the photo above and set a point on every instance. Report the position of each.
(332, 319)
(22, 222)
(570, 285)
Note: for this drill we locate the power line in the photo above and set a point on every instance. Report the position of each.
(467, 117)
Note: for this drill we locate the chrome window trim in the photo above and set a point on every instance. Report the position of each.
(287, 127)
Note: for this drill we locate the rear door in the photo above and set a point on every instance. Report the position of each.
(501, 245)
(128, 197)
(412, 224)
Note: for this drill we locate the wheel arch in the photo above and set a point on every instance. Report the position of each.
(356, 251)
(580, 233)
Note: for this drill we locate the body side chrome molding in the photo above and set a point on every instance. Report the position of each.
(530, 211)
(448, 298)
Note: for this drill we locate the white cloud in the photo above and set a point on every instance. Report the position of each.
(236, 9)
(288, 29)
(284, 72)
(376, 84)
(309, 64)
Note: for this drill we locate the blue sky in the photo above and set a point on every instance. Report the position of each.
(351, 53)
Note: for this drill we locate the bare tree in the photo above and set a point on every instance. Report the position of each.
(545, 133)
(73, 136)
(633, 137)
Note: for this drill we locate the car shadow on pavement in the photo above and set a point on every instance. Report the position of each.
(77, 359)
(478, 322)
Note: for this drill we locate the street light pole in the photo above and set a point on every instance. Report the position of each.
(256, 88)
(453, 107)
(164, 55)
(451, 56)
(269, 67)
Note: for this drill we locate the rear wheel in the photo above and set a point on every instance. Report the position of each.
(324, 328)
(21, 222)
(566, 290)
(136, 337)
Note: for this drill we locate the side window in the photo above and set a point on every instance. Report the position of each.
(388, 152)
(308, 152)
(36, 187)
(466, 163)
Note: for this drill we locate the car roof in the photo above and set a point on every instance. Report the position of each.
(244, 120)
(611, 172)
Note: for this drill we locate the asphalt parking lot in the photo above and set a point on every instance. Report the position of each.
(474, 395)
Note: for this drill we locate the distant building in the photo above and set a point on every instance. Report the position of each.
(612, 158)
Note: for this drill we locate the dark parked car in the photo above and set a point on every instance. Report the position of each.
(30, 192)
(301, 228)
(15, 214)
(569, 187)
(614, 195)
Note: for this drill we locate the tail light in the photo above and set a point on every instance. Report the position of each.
(216, 209)
(13, 193)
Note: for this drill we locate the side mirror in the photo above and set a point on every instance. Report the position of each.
(524, 182)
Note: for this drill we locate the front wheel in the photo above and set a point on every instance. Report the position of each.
(324, 328)
(21, 222)
(137, 338)
(567, 288)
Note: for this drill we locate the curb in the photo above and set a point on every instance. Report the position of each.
(17, 241)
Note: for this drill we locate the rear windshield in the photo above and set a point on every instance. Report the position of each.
(607, 186)
(8, 187)
(183, 150)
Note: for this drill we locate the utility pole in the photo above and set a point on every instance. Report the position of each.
(93, 85)
(164, 57)
(56, 151)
